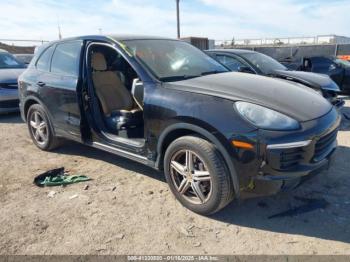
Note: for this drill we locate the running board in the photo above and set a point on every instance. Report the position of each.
(123, 153)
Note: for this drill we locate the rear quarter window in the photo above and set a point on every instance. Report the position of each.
(66, 58)
(44, 60)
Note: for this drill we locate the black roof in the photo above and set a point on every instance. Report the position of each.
(137, 37)
(113, 38)
(233, 51)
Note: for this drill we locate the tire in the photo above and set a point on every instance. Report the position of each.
(44, 138)
(216, 188)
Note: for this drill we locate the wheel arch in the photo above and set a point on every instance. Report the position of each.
(31, 100)
(182, 129)
(27, 104)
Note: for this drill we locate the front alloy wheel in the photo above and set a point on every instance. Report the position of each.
(190, 176)
(197, 175)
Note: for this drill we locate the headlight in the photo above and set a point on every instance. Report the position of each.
(265, 118)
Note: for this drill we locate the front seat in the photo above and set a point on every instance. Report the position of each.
(116, 101)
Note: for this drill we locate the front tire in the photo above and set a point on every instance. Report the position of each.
(197, 175)
(40, 128)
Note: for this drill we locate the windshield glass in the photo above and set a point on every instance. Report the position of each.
(342, 62)
(263, 62)
(171, 60)
(9, 61)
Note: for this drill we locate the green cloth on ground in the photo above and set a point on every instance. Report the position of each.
(57, 177)
(62, 180)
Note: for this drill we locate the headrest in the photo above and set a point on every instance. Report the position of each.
(98, 62)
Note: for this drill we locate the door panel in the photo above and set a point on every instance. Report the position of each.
(62, 102)
(59, 88)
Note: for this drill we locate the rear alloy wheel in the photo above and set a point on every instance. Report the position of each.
(40, 128)
(197, 175)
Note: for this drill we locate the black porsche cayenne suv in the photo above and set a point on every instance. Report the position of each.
(166, 104)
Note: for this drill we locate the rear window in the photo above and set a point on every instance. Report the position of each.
(66, 58)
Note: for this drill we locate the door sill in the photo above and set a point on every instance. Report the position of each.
(122, 152)
(135, 142)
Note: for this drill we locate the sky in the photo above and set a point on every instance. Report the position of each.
(216, 19)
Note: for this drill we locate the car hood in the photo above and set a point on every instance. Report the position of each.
(313, 80)
(10, 76)
(297, 101)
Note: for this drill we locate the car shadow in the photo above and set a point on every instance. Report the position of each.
(11, 118)
(329, 222)
(77, 149)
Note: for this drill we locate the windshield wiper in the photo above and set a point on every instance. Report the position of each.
(184, 77)
(212, 72)
(177, 78)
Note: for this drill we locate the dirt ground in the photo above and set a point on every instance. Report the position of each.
(128, 209)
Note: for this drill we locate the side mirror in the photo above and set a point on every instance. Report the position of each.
(245, 69)
(137, 91)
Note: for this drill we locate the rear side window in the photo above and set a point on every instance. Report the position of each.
(65, 60)
(44, 60)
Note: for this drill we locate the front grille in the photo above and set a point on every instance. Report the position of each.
(291, 157)
(9, 86)
(324, 146)
(9, 104)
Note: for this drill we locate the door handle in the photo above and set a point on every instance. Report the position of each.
(41, 83)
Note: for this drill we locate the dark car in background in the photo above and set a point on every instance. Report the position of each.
(24, 58)
(246, 61)
(10, 69)
(337, 69)
(166, 104)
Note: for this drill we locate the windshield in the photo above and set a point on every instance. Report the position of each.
(9, 61)
(264, 63)
(171, 60)
(342, 62)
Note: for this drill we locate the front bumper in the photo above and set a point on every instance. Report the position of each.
(9, 101)
(282, 156)
(300, 167)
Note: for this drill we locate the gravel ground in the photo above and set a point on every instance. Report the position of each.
(128, 209)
